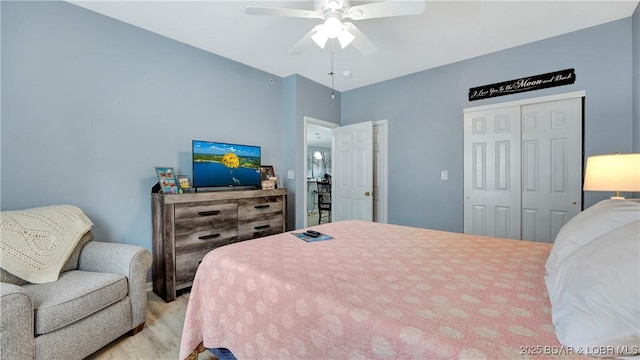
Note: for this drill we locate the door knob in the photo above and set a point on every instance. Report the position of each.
(367, 193)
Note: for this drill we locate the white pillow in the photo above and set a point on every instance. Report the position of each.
(594, 221)
(595, 293)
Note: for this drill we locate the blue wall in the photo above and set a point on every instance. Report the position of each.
(303, 97)
(426, 122)
(90, 105)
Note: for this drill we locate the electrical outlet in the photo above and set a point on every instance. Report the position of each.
(444, 175)
(290, 175)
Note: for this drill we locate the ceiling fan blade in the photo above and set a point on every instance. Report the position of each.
(257, 10)
(305, 42)
(385, 9)
(361, 42)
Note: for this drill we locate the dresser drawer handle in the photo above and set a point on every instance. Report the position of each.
(209, 213)
(207, 237)
(261, 206)
(261, 227)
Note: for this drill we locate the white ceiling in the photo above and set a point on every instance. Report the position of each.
(318, 136)
(447, 32)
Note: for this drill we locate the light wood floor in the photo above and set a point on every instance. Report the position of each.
(160, 338)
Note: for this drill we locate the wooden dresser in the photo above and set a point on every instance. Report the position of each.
(187, 226)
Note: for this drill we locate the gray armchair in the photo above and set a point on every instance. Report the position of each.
(89, 305)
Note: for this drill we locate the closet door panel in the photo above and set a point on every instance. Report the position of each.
(492, 172)
(552, 166)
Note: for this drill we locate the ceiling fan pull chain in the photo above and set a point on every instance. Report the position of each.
(332, 73)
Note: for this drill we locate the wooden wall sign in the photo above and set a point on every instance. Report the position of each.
(537, 82)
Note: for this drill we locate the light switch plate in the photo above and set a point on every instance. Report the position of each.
(290, 175)
(444, 175)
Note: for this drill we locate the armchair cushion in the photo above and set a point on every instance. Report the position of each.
(9, 278)
(72, 261)
(75, 295)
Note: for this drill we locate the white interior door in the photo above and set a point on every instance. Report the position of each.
(492, 172)
(551, 167)
(352, 188)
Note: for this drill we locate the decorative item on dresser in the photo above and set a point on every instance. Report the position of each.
(187, 226)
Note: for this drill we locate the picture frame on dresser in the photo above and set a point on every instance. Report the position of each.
(184, 182)
(266, 172)
(167, 179)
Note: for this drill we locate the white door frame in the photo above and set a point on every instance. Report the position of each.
(323, 123)
(381, 196)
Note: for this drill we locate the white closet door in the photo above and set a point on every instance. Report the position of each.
(523, 169)
(492, 172)
(551, 167)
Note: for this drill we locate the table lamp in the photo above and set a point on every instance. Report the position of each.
(614, 172)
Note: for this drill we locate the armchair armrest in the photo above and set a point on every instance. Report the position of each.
(16, 323)
(128, 260)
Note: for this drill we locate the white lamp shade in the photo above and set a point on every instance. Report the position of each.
(332, 27)
(345, 38)
(320, 38)
(618, 172)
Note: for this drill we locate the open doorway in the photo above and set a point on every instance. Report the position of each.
(318, 169)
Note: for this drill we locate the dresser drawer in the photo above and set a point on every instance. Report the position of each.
(186, 266)
(268, 225)
(195, 210)
(260, 207)
(206, 238)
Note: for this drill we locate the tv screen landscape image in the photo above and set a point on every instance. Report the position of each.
(217, 164)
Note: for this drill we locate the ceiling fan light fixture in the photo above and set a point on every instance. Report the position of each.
(345, 38)
(333, 27)
(320, 38)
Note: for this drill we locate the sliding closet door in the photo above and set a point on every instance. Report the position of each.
(551, 167)
(523, 168)
(492, 173)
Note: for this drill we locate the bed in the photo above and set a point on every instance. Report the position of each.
(374, 291)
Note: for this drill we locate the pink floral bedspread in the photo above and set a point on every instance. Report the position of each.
(375, 291)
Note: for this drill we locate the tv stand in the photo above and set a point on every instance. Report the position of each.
(187, 226)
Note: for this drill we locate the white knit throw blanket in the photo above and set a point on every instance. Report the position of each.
(35, 243)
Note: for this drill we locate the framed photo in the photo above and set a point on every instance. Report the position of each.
(268, 184)
(167, 179)
(184, 182)
(266, 172)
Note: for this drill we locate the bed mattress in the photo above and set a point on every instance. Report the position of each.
(374, 291)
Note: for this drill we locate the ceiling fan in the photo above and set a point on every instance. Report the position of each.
(333, 12)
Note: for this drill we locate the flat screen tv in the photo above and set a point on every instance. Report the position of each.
(217, 164)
